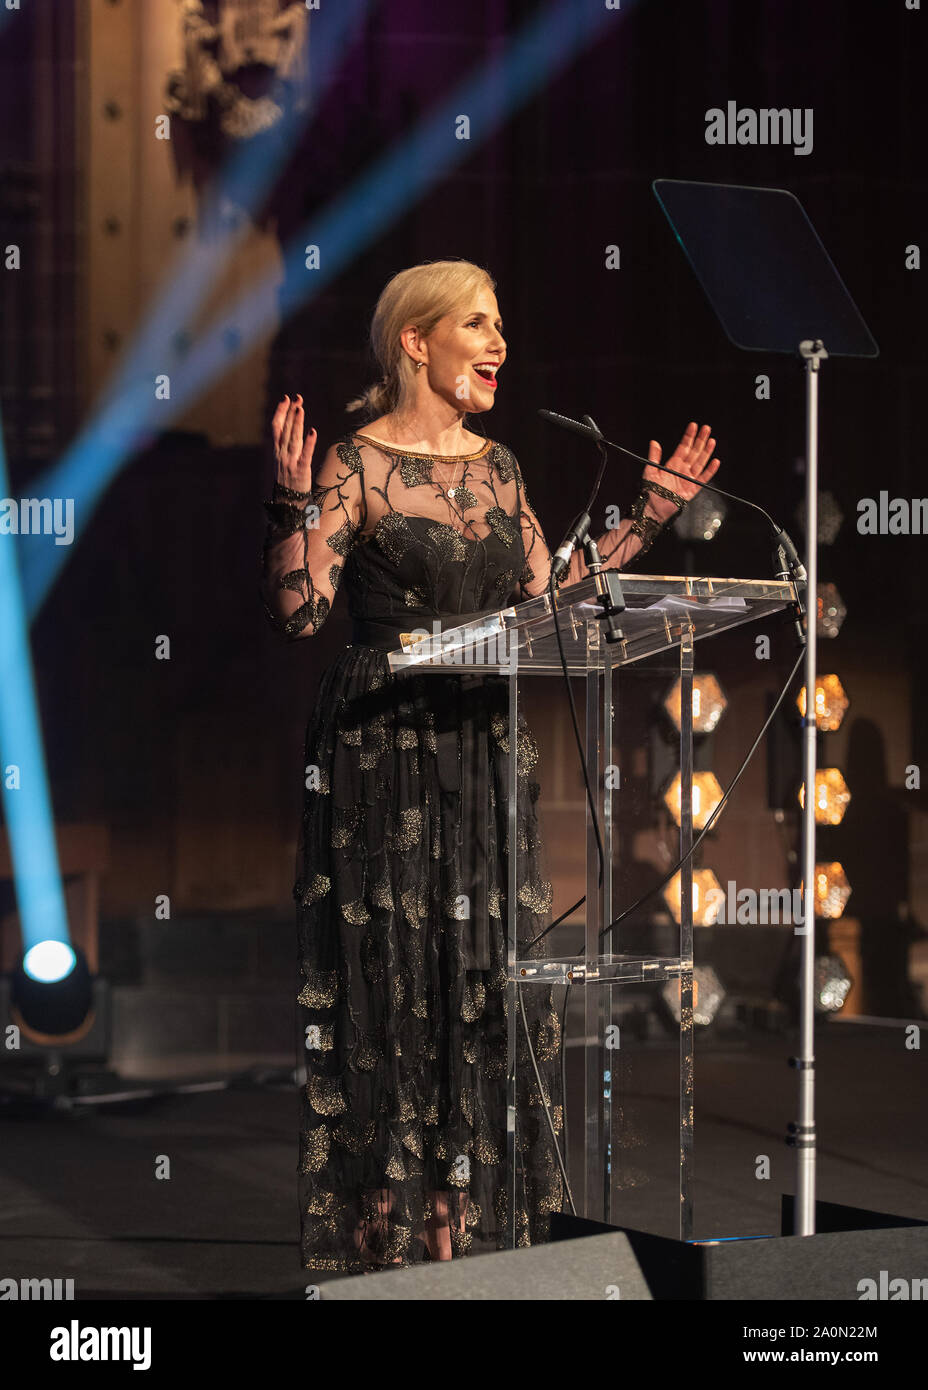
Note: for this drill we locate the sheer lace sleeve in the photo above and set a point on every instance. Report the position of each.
(618, 547)
(534, 577)
(309, 537)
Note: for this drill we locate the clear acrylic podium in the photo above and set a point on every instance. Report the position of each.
(663, 614)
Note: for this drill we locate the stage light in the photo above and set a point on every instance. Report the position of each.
(49, 961)
(830, 517)
(832, 984)
(709, 703)
(831, 611)
(831, 703)
(706, 796)
(708, 993)
(702, 518)
(832, 890)
(704, 882)
(51, 993)
(831, 796)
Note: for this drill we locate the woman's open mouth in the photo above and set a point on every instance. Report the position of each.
(487, 372)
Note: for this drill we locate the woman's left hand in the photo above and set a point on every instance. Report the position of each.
(692, 456)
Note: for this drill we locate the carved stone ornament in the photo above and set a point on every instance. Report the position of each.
(238, 56)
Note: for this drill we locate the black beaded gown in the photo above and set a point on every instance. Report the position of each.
(403, 996)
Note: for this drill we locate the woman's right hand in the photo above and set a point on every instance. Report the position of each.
(293, 454)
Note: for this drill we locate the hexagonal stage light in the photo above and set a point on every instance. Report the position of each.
(702, 518)
(708, 993)
(704, 881)
(831, 703)
(832, 984)
(709, 703)
(706, 796)
(830, 517)
(832, 890)
(832, 795)
(831, 611)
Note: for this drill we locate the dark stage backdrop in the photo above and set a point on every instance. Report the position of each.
(196, 768)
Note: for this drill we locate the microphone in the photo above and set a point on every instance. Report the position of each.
(785, 547)
(577, 534)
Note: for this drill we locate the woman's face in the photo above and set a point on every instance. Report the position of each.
(465, 351)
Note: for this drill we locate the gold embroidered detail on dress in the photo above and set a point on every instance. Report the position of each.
(406, 835)
(395, 1168)
(415, 471)
(415, 904)
(320, 990)
(447, 541)
(315, 1145)
(503, 585)
(464, 498)
(473, 1001)
(366, 1055)
(325, 1095)
(485, 1152)
(503, 525)
(412, 1138)
(350, 455)
(317, 889)
(356, 913)
(536, 896)
(355, 1135)
(526, 747)
(503, 461)
(346, 821)
(392, 533)
(343, 539)
(382, 895)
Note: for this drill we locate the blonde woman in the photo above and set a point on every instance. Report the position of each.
(403, 1142)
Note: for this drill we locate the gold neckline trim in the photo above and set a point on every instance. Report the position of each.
(435, 458)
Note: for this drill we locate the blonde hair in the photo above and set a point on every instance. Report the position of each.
(421, 296)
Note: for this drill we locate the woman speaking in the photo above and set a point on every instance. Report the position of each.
(402, 860)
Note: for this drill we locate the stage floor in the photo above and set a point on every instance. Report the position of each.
(79, 1195)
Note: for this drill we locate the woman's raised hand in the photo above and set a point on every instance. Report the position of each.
(292, 453)
(692, 456)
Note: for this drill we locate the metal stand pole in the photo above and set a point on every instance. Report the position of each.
(803, 1132)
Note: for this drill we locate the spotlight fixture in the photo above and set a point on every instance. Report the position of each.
(831, 703)
(702, 518)
(706, 796)
(51, 992)
(704, 882)
(709, 703)
(831, 610)
(708, 993)
(832, 890)
(832, 984)
(830, 517)
(832, 795)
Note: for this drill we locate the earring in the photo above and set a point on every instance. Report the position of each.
(419, 364)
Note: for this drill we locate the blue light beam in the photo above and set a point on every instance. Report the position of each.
(27, 807)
